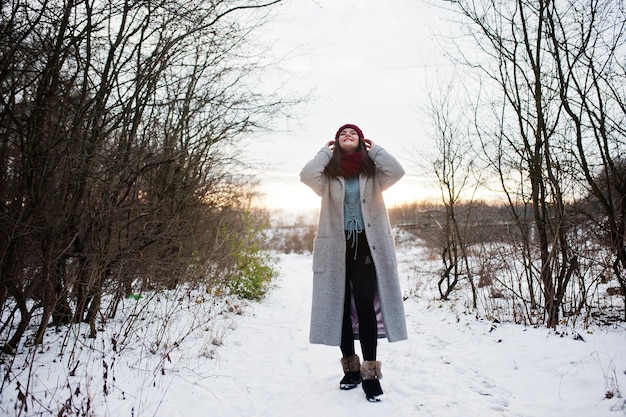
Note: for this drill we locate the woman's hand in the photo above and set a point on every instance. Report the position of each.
(368, 144)
(331, 145)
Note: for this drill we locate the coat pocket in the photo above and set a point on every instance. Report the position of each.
(320, 249)
(391, 249)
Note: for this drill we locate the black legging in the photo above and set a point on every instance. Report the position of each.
(361, 284)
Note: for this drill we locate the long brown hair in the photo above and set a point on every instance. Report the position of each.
(334, 167)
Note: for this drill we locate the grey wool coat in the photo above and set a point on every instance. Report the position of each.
(329, 268)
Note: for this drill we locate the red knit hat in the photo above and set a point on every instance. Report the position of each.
(350, 126)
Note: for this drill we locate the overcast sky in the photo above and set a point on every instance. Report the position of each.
(366, 62)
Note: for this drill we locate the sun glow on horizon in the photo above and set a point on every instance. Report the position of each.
(288, 195)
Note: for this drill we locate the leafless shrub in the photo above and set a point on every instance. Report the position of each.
(541, 113)
(122, 173)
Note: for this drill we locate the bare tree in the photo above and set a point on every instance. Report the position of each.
(551, 68)
(586, 48)
(453, 169)
(118, 142)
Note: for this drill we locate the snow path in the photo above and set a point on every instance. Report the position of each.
(450, 366)
(185, 355)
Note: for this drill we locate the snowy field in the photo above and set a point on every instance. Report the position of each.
(254, 359)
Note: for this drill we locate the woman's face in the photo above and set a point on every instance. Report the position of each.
(348, 140)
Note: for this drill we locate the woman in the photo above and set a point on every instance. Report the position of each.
(356, 289)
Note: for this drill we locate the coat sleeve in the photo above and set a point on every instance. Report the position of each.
(313, 172)
(388, 167)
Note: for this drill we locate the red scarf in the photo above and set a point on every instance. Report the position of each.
(351, 164)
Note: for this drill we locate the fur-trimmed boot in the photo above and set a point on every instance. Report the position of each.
(371, 374)
(352, 372)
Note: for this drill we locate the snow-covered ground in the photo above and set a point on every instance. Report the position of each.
(255, 360)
